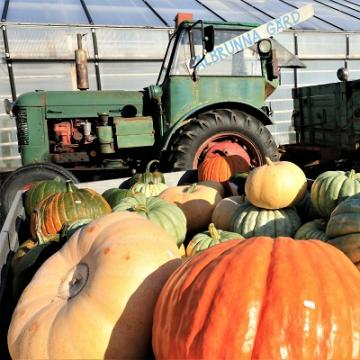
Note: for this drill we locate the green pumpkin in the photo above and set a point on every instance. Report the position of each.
(206, 239)
(169, 216)
(58, 209)
(314, 229)
(305, 209)
(114, 195)
(40, 190)
(343, 228)
(249, 220)
(332, 187)
(148, 189)
(153, 177)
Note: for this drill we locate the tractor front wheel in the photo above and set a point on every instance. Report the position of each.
(232, 132)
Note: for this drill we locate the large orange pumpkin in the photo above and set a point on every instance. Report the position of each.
(261, 298)
(95, 297)
(275, 185)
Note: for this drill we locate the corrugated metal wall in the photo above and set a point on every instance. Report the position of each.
(129, 57)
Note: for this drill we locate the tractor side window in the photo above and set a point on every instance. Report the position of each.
(166, 61)
(242, 63)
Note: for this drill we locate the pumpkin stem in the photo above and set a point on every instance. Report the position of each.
(352, 174)
(214, 233)
(148, 166)
(139, 207)
(69, 186)
(192, 188)
(268, 161)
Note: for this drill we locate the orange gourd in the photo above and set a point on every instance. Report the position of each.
(196, 201)
(275, 185)
(261, 298)
(95, 297)
(221, 168)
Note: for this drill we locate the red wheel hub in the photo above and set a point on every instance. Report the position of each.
(228, 148)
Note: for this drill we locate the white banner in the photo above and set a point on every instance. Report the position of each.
(249, 38)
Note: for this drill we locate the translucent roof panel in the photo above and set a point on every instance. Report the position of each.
(331, 16)
(276, 8)
(234, 10)
(168, 9)
(47, 11)
(122, 12)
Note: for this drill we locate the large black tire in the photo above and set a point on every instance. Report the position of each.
(26, 175)
(243, 128)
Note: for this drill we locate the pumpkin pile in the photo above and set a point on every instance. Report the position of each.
(150, 269)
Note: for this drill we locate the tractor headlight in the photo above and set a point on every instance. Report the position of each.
(264, 47)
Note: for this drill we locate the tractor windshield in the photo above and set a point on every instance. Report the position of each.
(242, 63)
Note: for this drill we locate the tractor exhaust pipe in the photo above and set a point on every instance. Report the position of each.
(82, 77)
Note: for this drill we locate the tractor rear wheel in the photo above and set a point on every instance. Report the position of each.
(233, 131)
(21, 178)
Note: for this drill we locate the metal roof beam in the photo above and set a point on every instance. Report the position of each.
(211, 10)
(5, 10)
(156, 13)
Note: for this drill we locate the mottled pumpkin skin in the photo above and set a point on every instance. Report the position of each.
(209, 238)
(221, 168)
(95, 297)
(169, 216)
(114, 195)
(332, 187)
(314, 229)
(149, 189)
(261, 298)
(57, 209)
(40, 190)
(275, 185)
(249, 220)
(343, 228)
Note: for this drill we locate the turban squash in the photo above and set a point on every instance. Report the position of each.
(260, 298)
(94, 298)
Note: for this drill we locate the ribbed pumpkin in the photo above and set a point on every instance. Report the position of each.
(275, 185)
(148, 189)
(213, 184)
(332, 187)
(114, 195)
(40, 190)
(314, 229)
(206, 239)
(224, 211)
(196, 201)
(343, 228)
(57, 209)
(249, 220)
(148, 183)
(262, 298)
(169, 216)
(220, 168)
(95, 297)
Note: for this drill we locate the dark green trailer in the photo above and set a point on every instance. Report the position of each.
(326, 119)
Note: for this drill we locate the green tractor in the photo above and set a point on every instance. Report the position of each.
(209, 98)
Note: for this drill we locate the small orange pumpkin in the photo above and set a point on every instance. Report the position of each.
(220, 168)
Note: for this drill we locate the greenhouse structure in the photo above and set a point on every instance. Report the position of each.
(126, 40)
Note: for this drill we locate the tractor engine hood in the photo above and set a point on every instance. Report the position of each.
(70, 104)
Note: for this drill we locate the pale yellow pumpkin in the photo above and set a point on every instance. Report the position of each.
(95, 297)
(224, 210)
(275, 185)
(196, 201)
